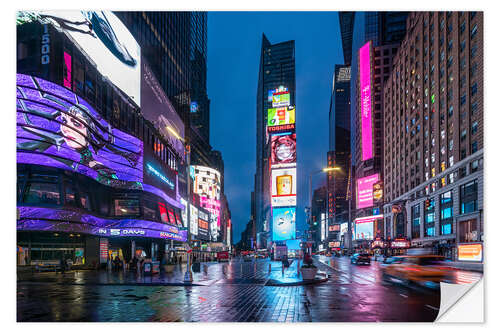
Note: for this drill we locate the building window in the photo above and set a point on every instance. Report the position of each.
(42, 193)
(463, 99)
(127, 207)
(429, 219)
(467, 231)
(446, 215)
(473, 147)
(474, 127)
(473, 89)
(415, 225)
(468, 197)
(473, 31)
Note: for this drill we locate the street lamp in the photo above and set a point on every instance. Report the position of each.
(188, 276)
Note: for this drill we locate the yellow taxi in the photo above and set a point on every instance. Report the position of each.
(424, 270)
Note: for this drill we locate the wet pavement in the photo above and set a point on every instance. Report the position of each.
(228, 292)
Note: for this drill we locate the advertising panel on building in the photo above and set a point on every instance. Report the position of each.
(106, 41)
(364, 190)
(365, 85)
(157, 108)
(283, 223)
(207, 185)
(284, 187)
(470, 252)
(57, 128)
(283, 150)
(323, 227)
(194, 220)
(281, 99)
(364, 227)
(203, 225)
(281, 116)
(159, 175)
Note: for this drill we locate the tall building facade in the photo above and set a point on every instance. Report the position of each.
(375, 40)
(276, 70)
(339, 153)
(433, 129)
(175, 46)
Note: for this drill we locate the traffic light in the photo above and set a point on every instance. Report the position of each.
(427, 203)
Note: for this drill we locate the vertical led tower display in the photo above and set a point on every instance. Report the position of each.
(365, 85)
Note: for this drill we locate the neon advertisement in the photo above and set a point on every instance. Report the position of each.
(470, 252)
(364, 191)
(283, 150)
(284, 187)
(281, 116)
(67, 71)
(71, 221)
(206, 183)
(157, 108)
(106, 41)
(364, 230)
(365, 81)
(281, 128)
(193, 220)
(281, 99)
(283, 223)
(57, 128)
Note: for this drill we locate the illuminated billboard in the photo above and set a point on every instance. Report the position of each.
(283, 150)
(281, 99)
(57, 128)
(284, 187)
(281, 116)
(470, 252)
(364, 227)
(193, 220)
(108, 43)
(271, 92)
(365, 82)
(206, 183)
(203, 225)
(157, 108)
(364, 190)
(283, 223)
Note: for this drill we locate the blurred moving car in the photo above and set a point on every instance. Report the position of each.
(248, 257)
(222, 256)
(424, 270)
(360, 258)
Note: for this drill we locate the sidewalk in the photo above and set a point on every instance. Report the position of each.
(468, 266)
(256, 272)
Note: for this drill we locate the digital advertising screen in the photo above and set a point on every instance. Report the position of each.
(363, 226)
(207, 183)
(203, 225)
(194, 220)
(281, 116)
(283, 223)
(470, 252)
(284, 187)
(364, 190)
(365, 82)
(158, 174)
(283, 150)
(184, 212)
(271, 92)
(57, 128)
(107, 42)
(281, 99)
(157, 108)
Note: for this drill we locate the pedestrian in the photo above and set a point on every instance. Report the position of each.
(62, 264)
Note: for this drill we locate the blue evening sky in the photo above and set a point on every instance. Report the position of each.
(234, 41)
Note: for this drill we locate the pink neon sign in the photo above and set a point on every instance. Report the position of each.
(365, 191)
(366, 101)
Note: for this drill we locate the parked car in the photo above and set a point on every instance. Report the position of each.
(222, 256)
(360, 258)
(424, 270)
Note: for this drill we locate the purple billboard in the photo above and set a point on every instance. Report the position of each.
(366, 101)
(66, 220)
(57, 128)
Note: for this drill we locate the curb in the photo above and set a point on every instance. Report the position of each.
(158, 284)
(317, 279)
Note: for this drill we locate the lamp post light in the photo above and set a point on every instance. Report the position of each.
(188, 276)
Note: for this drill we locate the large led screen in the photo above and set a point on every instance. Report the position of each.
(281, 99)
(157, 108)
(281, 116)
(283, 223)
(194, 220)
(59, 129)
(365, 191)
(206, 183)
(364, 226)
(106, 41)
(283, 150)
(158, 174)
(284, 187)
(366, 101)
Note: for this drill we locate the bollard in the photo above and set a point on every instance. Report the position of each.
(205, 269)
(269, 268)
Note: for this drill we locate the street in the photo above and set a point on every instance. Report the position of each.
(237, 291)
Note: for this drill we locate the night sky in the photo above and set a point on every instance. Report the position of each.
(234, 41)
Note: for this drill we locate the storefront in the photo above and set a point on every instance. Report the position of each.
(399, 246)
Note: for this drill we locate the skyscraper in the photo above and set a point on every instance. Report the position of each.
(276, 69)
